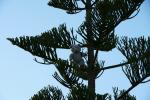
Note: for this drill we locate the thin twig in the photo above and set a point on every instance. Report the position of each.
(64, 8)
(48, 63)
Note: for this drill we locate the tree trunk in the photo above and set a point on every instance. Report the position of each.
(91, 81)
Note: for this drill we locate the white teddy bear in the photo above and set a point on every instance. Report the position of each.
(76, 55)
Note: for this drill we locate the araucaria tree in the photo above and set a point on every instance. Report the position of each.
(96, 34)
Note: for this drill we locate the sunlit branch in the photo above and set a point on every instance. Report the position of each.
(138, 10)
(95, 57)
(146, 81)
(100, 74)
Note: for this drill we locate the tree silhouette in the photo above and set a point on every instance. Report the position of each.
(97, 34)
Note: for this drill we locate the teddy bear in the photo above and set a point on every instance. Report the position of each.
(77, 56)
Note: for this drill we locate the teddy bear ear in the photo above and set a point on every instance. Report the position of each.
(71, 46)
(79, 45)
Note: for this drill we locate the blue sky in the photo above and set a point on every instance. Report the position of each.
(21, 77)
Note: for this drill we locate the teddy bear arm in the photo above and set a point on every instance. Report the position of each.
(82, 62)
(83, 54)
(71, 57)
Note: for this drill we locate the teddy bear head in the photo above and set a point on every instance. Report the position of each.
(75, 48)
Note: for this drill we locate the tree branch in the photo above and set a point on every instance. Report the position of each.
(95, 2)
(138, 10)
(75, 37)
(132, 87)
(114, 66)
(83, 2)
(45, 62)
(146, 54)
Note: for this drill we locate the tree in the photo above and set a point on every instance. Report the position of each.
(97, 33)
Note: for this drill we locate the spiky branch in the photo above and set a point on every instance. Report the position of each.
(98, 33)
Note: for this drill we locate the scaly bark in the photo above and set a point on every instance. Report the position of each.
(91, 81)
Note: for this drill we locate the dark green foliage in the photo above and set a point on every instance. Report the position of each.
(55, 38)
(98, 34)
(83, 93)
(100, 40)
(71, 6)
(134, 48)
(118, 93)
(77, 93)
(71, 73)
(45, 45)
(68, 73)
(49, 93)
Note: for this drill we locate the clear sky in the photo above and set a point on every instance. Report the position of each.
(21, 77)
